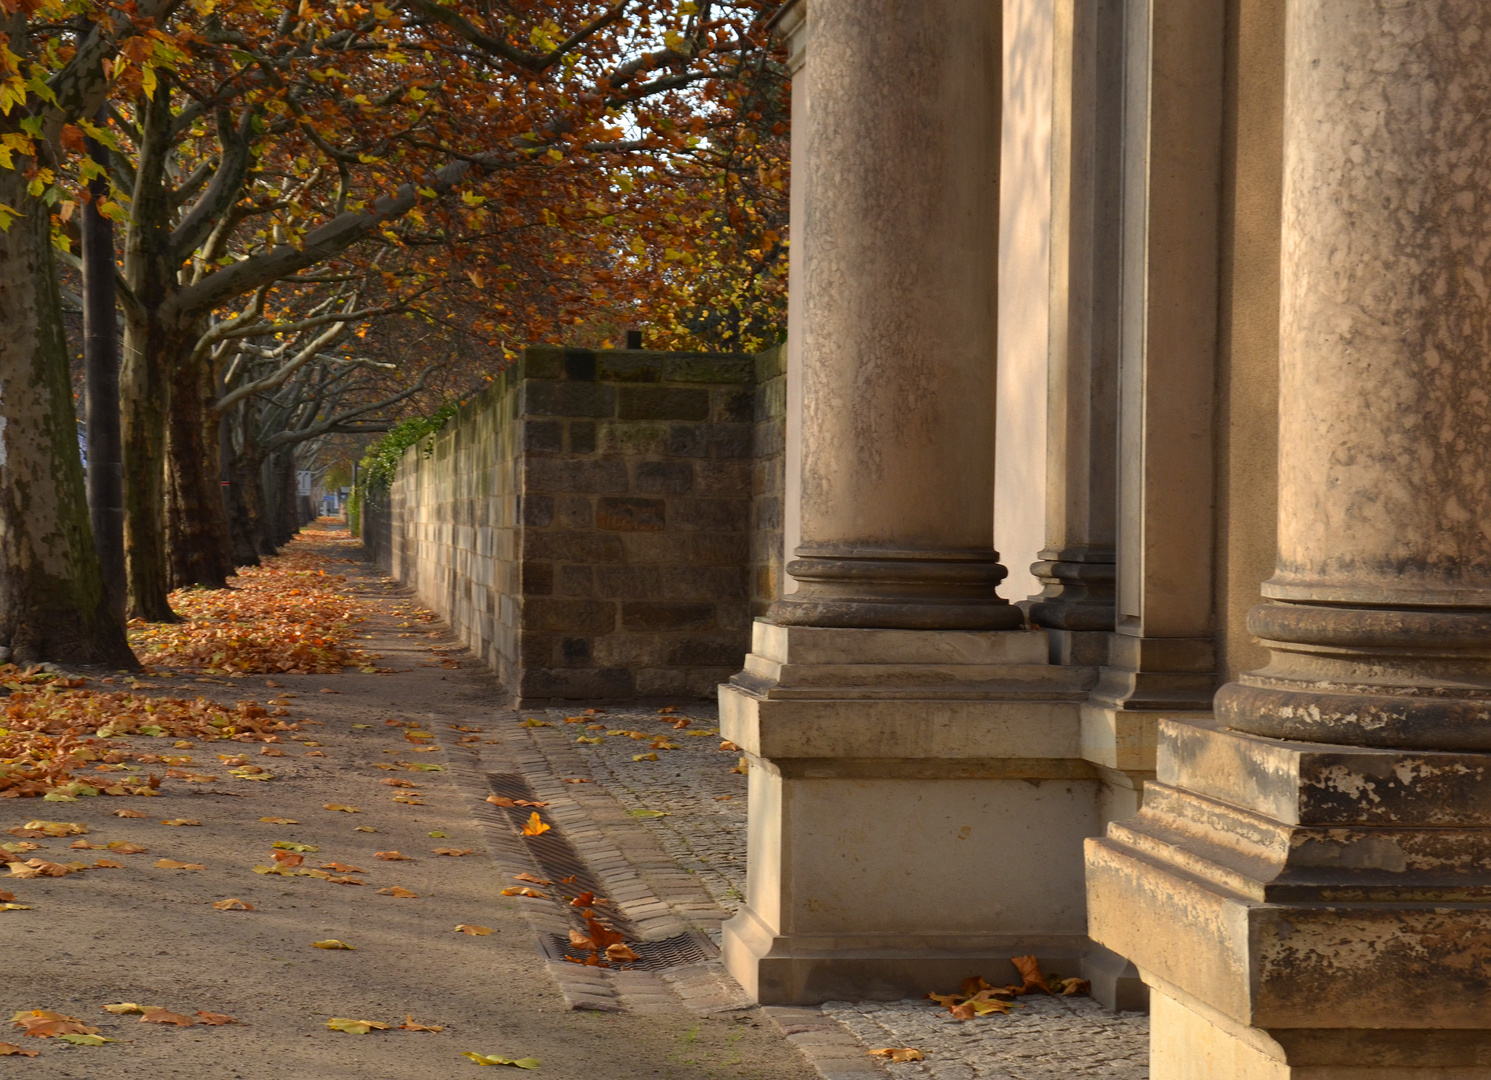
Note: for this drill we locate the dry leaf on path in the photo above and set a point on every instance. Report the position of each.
(108, 864)
(399, 891)
(391, 856)
(85, 1040)
(50, 828)
(290, 845)
(410, 1025)
(7, 1049)
(354, 1027)
(474, 931)
(343, 868)
(129, 814)
(524, 891)
(531, 879)
(279, 821)
(233, 904)
(899, 1054)
(1030, 971)
(535, 825)
(181, 821)
(212, 1019)
(363, 828)
(45, 1024)
(397, 781)
(124, 1008)
(123, 847)
(166, 1016)
(172, 864)
(455, 852)
(497, 1059)
(620, 953)
(287, 858)
(333, 943)
(644, 757)
(9, 905)
(341, 807)
(577, 780)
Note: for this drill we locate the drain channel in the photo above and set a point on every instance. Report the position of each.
(564, 866)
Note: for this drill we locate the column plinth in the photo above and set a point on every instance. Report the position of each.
(1307, 889)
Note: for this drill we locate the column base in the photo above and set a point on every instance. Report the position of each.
(917, 809)
(811, 969)
(1304, 910)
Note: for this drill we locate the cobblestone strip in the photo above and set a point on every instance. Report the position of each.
(1047, 1038)
(829, 1048)
(467, 769)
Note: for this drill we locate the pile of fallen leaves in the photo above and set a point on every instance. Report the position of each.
(52, 731)
(976, 997)
(287, 616)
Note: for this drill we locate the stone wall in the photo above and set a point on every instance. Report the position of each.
(600, 525)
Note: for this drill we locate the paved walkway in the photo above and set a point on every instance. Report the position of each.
(694, 805)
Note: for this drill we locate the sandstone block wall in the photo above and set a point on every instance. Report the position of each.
(598, 525)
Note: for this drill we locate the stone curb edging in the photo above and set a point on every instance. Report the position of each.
(828, 1046)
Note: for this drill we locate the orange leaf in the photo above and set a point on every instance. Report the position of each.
(523, 891)
(391, 856)
(212, 1019)
(395, 890)
(129, 813)
(620, 953)
(899, 1054)
(452, 851)
(172, 864)
(342, 868)
(474, 931)
(108, 864)
(233, 904)
(1030, 971)
(165, 1016)
(410, 1025)
(531, 879)
(6, 1049)
(535, 825)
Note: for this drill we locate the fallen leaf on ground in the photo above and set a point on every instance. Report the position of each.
(129, 813)
(181, 821)
(85, 1040)
(578, 780)
(590, 740)
(453, 851)
(498, 800)
(77, 845)
(287, 858)
(123, 847)
(438, 835)
(108, 864)
(723, 798)
(523, 891)
(342, 1023)
(899, 1054)
(474, 931)
(233, 904)
(35, 868)
(314, 753)
(124, 1008)
(343, 868)
(10, 906)
(1030, 971)
(1070, 987)
(729, 746)
(398, 781)
(346, 881)
(172, 864)
(333, 943)
(620, 953)
(410, 1025)
(329, 690)
(399, 891)
(535, 825)
(363, 828)
(531, 879)
(46, 1024)
(212, 1019)
(341, 807)
(497, 1059)
(7, 897)
(166, 1016)
(391, 856)
(644, 757)
(648, 813)
(279, 821)
(50, 828)
(290, 845)
(7, 1049)
(21, 846)
(411, 799)
(271, 751)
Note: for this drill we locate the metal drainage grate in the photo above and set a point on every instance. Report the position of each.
(690, 948)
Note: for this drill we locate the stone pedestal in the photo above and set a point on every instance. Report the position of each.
(918, 806)
(1308, 887)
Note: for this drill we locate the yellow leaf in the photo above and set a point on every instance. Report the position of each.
(333, 943)
(85, 1040)
(181, 821)
(644, 757)
(410, 1025)
(474, 931)
(399, 891)
(496, 1059)
(355, 1027)
(124, 1008)
(523, 891)
(535, 825)
(279, 821)
(339, 806)
(172, 864)
(148, 81)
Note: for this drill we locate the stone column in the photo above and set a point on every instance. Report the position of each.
(898, 256)
(1076, 568)
(907, 741)
(1308, 887)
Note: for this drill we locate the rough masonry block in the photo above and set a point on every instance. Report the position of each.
(662, 477)
(659, 615)
(661, 403)
(544, 398)
(631, 514)
(575, 616)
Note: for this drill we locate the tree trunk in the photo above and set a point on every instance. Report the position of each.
(101, 364)
(52, 601)
(198, 549)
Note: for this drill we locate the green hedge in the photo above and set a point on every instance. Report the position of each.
(381, 461)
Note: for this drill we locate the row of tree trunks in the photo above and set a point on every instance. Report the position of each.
(198, 543)
(52, 600)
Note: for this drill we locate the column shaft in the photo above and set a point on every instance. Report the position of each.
(898, 255)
